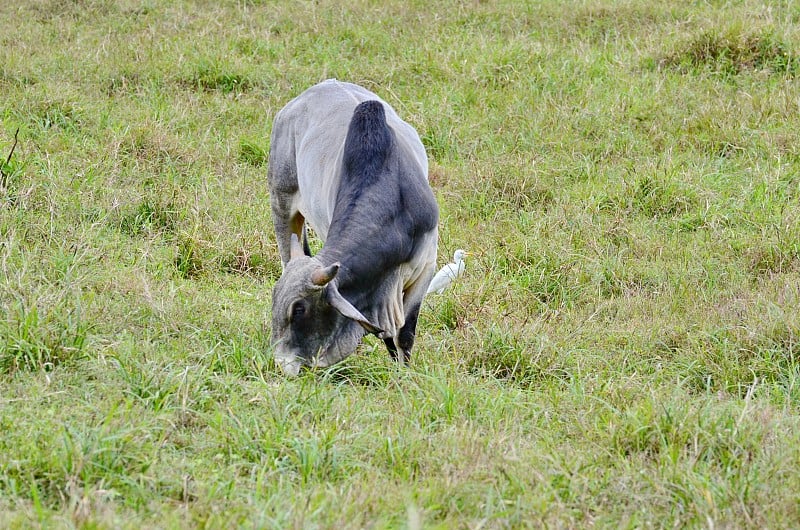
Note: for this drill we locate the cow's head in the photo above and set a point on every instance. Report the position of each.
(312, 323)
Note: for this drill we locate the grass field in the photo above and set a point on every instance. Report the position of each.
(623, 351)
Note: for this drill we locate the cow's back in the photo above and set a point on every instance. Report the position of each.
(317, 121)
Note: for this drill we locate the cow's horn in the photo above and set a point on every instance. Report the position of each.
(323, 275)
(295, 250)
(349, 310)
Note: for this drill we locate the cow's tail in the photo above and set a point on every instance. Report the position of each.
(368, 142)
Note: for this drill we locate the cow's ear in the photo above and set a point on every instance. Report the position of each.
(295, 250)
(323, 275)
(347, 309)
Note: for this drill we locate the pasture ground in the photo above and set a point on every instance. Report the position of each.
(622, 352)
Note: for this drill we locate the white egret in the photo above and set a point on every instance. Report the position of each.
(448, 273)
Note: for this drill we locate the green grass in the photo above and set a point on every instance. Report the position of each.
(623, 351)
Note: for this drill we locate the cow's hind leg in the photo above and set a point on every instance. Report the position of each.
(306, 248)
(284, 191)
(286, 222)
(405, 339)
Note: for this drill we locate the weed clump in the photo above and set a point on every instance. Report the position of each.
(440, 143)
(448, 315)
(252, 153)
(248, 261)
(188, 258)
(774, 257)
(732, 357)
(149, 216)
(57, 116)
(518, 191)
(599, 23)
(211, 76)
(660, 198)
(734, 51)
(544, 274)
(34, 338)
(656, 431)
(507, 356)
(652, 196)
(152, 148)
(122, 83)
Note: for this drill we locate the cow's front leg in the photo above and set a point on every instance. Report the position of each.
(400, 346)
(390, 345)
(405, 340)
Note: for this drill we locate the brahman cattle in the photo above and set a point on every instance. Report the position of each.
(342, 161)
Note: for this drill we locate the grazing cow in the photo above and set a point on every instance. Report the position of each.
(344, 162)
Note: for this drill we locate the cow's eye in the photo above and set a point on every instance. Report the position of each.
(298, 310)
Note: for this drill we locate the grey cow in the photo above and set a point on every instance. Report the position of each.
(343, 161)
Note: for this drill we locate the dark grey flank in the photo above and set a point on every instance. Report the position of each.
(342, 161)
